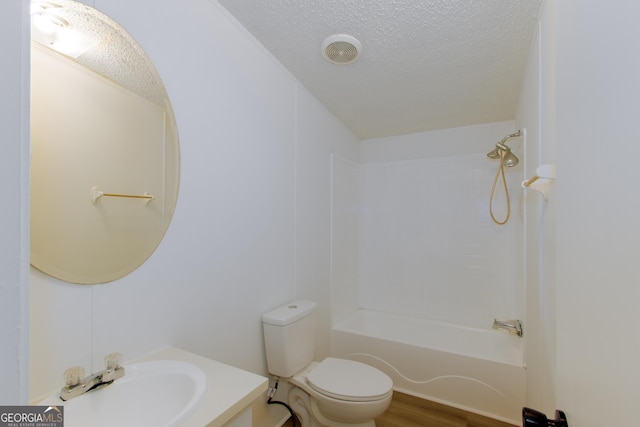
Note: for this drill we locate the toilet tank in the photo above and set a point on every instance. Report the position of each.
(290, 337)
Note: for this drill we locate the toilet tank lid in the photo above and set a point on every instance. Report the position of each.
(289, 313)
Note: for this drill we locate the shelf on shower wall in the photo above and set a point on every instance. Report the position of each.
(542, 180)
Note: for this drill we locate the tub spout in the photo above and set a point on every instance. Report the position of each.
(513, 326)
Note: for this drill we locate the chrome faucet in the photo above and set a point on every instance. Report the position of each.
(513, 326)
(77, 384)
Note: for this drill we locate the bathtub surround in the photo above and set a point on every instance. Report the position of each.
(418, 254)
(416, 238)
(419, 250)
(427, 245)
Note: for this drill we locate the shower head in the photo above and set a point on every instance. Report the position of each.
(509, 159)
(494, 154)
(502, 151)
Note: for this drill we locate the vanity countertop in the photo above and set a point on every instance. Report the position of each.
(229, 390)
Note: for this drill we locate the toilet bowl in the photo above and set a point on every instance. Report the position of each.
(330, 393)
(340, 393)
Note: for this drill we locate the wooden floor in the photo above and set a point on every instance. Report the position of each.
(409, 411)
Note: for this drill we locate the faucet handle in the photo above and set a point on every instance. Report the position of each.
(74, 376)
(113, 360)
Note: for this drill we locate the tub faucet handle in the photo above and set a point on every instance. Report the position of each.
(518, 325)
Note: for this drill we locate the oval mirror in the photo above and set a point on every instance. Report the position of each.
(104, 147)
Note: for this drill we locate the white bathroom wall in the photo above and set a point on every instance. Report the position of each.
(193, 287)
(345, 217)
(251, 228)
(321, 138)
(597, 231)
(427, 245)
(536, 113)
(14, 214)
(582, 244)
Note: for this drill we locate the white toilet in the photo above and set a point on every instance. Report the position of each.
(331, 393)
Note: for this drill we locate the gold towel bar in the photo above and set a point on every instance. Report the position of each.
(146, 196)
(96, 195)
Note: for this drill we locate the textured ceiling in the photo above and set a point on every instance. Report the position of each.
(425, 65)
(110, 50)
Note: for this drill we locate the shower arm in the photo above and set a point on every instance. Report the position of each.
(504, 140)
(502, 147)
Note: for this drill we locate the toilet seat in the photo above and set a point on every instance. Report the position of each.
(349, 380)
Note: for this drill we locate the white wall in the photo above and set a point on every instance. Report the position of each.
(217, 265)
(582, 92)
(536, 113)
(427, 245)
(14, 187)
(345, 217)
(598, 274)
(320, 136)
(251, 228)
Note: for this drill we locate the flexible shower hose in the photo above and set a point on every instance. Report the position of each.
(500, 173)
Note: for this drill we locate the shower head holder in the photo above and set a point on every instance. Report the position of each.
(501, 146)
(502, 151)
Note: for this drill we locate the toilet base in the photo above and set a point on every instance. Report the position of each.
(307, 411)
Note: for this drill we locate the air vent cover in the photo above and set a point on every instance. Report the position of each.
(341, 49)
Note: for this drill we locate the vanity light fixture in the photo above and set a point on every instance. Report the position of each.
(44, 18)
(38, 6)
(48, 21)
(52, 30)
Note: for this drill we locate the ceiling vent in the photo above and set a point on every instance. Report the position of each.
(341, 49)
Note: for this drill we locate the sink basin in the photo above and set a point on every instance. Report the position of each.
(157, 393)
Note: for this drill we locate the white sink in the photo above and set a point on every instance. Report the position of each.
(158, 393)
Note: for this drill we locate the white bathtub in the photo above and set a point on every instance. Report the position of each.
(477, 370)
